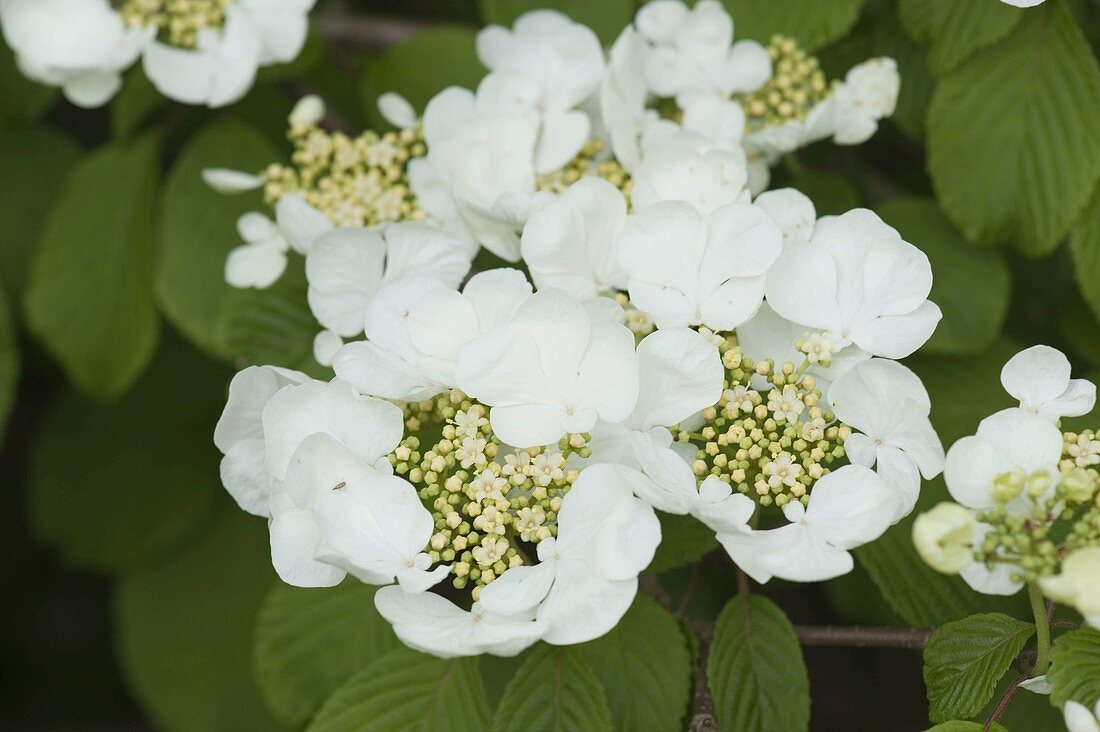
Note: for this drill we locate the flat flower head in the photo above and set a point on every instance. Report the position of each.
(686, 269)
(570, 244)
(859, 282)
(687, 167)
(1040, 378)
(551, 369)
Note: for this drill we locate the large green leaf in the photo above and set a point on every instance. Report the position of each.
(89, 297)
(607, 18)
(184, 630)
(970, 286)
(755, 670)
(1012, 146)
(408, 691)
(36, 161)
(1075, 667)
(1084, 245)
(113, 487)
(553, 690)
(422, 66)
(645, 668)
(965, 659)
(309, 641)
(9, 363)
(684, 539)
(955, 29)
(812, 23)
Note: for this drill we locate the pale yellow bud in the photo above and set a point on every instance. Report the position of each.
(943, 537)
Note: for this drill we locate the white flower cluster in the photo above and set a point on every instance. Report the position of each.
(673, 342)
(1016, 479)
(193, 51)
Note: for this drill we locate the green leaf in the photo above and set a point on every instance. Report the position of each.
(421, 67)
(832, 194)
(607, 18)
(89, 297)
(965, 659)
(970, 286)
(955, 29)
(112, 488)
(36, 161)
(198, 229)
(1012, 146)
(184, 630)
(810, 22)
(645, 668)
(408, 691)
(918, 593)
(917, 83)
(755, 670)
(1075, 667)
(1084, 246)
(684, 539)
(959, 726)
(135, 103)
(9, 363)
(309, 641)
(553, 690)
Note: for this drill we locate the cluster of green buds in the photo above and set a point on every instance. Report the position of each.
(360, 181)
(796, 86)
(491, 506)
(178, 22)
(586, 163)
(769, 443)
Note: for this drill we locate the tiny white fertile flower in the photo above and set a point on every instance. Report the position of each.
(564, 60)
(416, 328)
(1078, 584)
(687, 269)
(81, 46)
(587, 577)
(1077, 716)
(685, 166)
(622, 97)
(869, 93)
(1040, 378)
(551, 369)
(889, 405)
(308, 111)
(433, 624)
(944, 537)
(325, 345)
(570, 244)
(347, 266)
(858, 281)
(397, 110)
(693, 51)
(239, 435)
(848, 508)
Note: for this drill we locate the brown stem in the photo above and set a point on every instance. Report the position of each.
(364, 32)
(862, 637)
(1002, 705)
(689, 591)
(702, 715)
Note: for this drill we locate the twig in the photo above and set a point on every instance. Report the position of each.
(689, 591)
(1002, 705)
(702, 716)
(649, 584)
(365, 32)
(862, 637)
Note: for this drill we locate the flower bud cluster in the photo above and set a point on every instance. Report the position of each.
(589, 161)
(797, 84)
(178, 22)
(770, 444)
(490, 506)
(640, 322)
(361, 181)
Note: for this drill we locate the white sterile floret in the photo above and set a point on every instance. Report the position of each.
(889, 406)
(262, 259)
(347, 266)
(1014, 452)
(81, 46)
(693, 51)
(622, 98)
(552, 369)
(1040, 378)
(416, 327)
(587, 577)
(869, 93)
(231, 182)
(570, 244)
(1078, 717)
(239, 435)
(687, 269)
(321, 438)
(848, 507)
(858, 281)
(564, 60)
(1078, 584)
(685, 166)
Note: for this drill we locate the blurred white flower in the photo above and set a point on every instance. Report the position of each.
(1077, 716)
(1078, 584)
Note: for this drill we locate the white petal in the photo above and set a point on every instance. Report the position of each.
(792, 211)
(582, 606)
(496, 294)
(520, 588)
(228, 181)
(415, 249)
(249, 392)
(898, 336)
(245, 478)
(1036, 375)
(377, 371)
(1024, 440)
(971, 466)
(294, 537)
(563, 135)
(92, 88)
(257, 265)
(320, 465)
(325, 346)
(396, 110)
(748, 67)
(300, 223)
(344, 270)
(721, 509)
(681, 374)
(671, 484)
(1077, 717)
(850, 506)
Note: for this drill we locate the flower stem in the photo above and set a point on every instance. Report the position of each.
(1042, 626)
